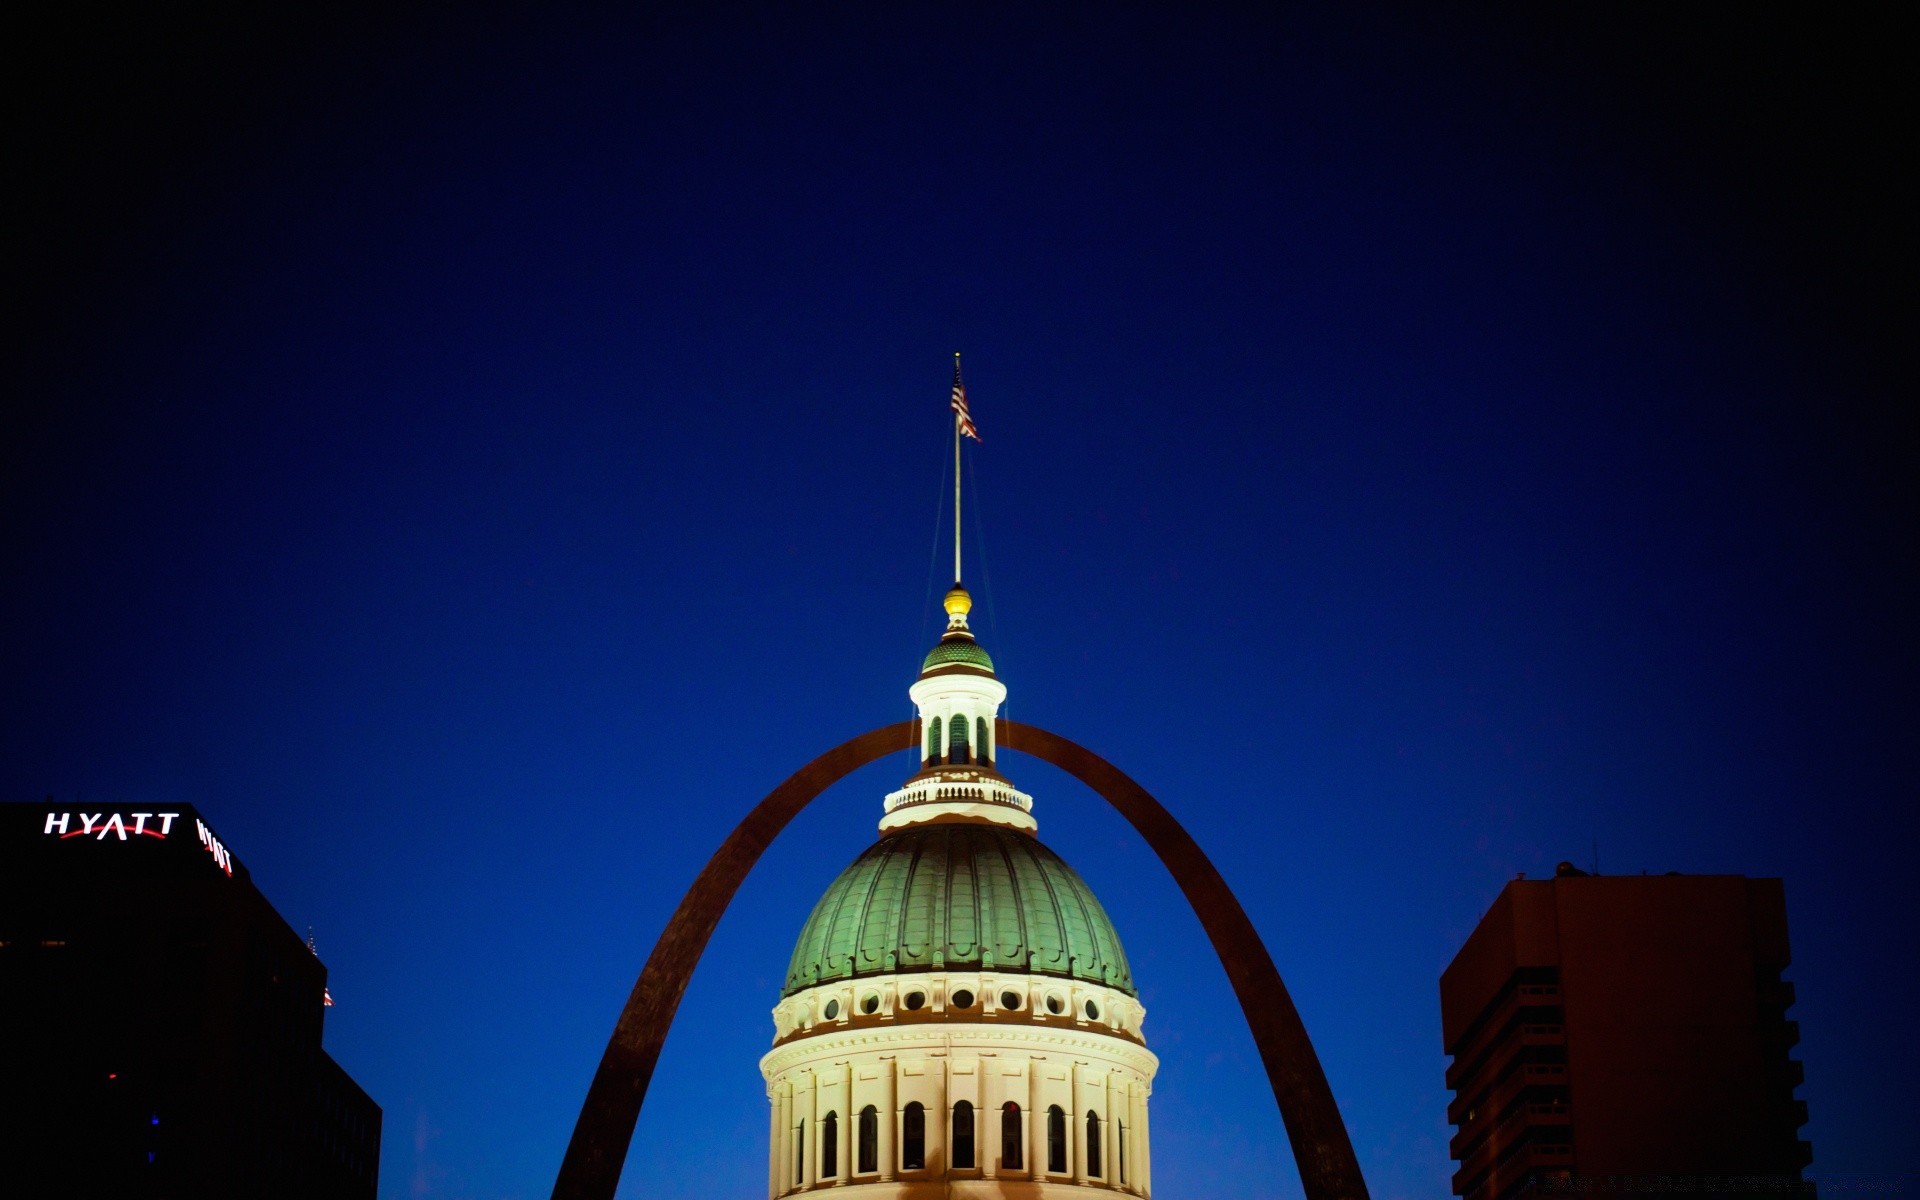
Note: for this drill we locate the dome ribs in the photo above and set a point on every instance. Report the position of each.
(1000, 901)
(955, 897)
(803, 969)
(1083, 945)
(963, 898)
(1115, 971)
(871, 952)
(916, 929)
(1047, 949)
(836, 953)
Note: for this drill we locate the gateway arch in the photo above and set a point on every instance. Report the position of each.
(598, 1149)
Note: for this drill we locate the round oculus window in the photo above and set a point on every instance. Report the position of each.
(916, 1000)
(1093, 1011)
(833, 1009)
(963, 999)
(870, 1005)
(1010, 1000)
(1055, 1004)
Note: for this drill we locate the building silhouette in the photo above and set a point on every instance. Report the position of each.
(958, 1018)
(1625, 1034)
(160, 1023)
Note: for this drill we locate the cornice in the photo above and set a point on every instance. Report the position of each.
(953, 1038)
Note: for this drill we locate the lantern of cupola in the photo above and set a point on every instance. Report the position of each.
(958, 699)
(957, 694)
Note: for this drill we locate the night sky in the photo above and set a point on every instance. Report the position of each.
(474, 454)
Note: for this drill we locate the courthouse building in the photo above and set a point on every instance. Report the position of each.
(958, 1018)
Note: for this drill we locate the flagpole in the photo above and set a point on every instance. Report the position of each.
(956, 477)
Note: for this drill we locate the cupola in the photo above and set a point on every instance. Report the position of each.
(958, 698)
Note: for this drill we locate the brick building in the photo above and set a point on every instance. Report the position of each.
(1625, 1033)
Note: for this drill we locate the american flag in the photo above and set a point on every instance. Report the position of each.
(326, 998)
(960, 403)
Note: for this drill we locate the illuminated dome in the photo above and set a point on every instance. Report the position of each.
(957, 652)
(948, 896)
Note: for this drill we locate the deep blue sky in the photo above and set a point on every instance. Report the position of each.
(474, 454)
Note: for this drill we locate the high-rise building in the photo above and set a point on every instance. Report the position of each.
(1625, 1033)
(160, 1023)
(958, 1018)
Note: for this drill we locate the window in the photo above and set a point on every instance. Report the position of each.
(933, 740)
(913, 1137)
(1056, 1140)
(980, 739)
(869, 1149)
(830, 1145)
(1011, 1129)
(1010, 1000)
(957, 741)
(962, 1134)
(800, 1153)
(1120, 1147)
(1093, 1142)
(963, 999)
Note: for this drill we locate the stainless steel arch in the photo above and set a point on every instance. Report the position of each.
(598, 1149)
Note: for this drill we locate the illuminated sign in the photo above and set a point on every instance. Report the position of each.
(113, 823)
(122, 826)
(214, 847)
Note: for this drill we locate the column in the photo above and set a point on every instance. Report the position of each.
(849, 1119)
(1036, 1123)
(986, 1118)
(1135, 1141)
(1110, 1107)
(889, 1116)
(773, 1142)
(1077, 1127)
(1145, 1143)
(810, 1144)
(939, 1121)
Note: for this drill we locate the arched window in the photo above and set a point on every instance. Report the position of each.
(1011, 1130)
(933, 740)
(957, 741)
(1093, 1142)
(913, 1137)
(869, 1152)
(800, 1153)
(1056, 1140)
(980, 742)
(962, 1134)
(830, 1145)
(1120, 1146)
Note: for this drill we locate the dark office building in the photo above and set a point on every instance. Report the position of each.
(1625, 1034)
(159, 1022)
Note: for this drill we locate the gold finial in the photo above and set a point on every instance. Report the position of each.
(958, 604)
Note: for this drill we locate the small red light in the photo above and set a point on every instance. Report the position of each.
(112, 1075)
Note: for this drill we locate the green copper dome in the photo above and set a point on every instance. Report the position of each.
(957, 651)
(938, 897)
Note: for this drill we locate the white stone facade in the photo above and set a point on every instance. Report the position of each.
(946, 1050)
